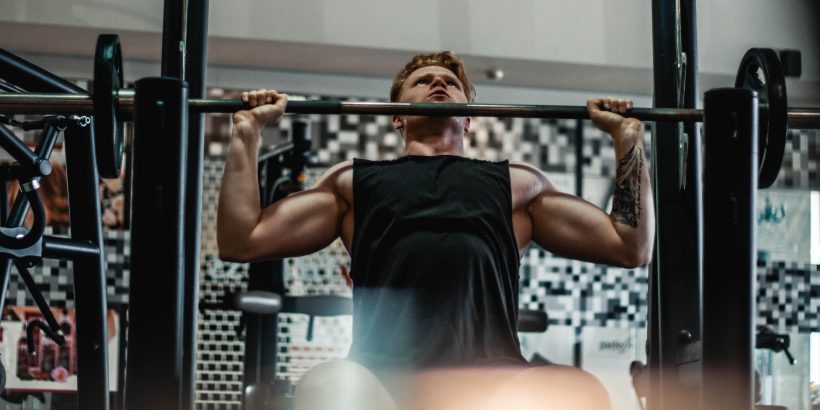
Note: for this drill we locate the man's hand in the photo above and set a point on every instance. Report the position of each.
(608, 115)
(267, 106)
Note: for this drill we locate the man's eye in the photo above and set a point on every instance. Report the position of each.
(421, 81)
(452, 83)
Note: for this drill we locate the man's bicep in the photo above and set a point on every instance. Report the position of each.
(574, 228)
(300, 224)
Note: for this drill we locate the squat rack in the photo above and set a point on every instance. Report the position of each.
(163, 320)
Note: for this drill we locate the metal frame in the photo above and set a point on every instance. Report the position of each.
(154, 356)
(89, 270)
(195, 74)
(674, 321)
(730, 249)
(84, 248)
(181, 225)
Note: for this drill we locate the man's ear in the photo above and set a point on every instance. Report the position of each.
(397, 123)
(467, 122)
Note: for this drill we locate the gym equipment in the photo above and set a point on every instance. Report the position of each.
(729, 248)
(24, 247)
(759, 71)
(107, 80)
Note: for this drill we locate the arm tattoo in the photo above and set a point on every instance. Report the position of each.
(626, 201)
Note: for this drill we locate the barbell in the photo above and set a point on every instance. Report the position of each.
(123, 101)
(110, 104)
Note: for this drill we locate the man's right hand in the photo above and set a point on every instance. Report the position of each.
(267, 106)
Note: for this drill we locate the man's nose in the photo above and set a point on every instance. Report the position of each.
(438, 81)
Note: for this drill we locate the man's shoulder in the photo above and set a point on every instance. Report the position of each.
(341, 167)
(337, 177)
(526, 171)
(528, 179)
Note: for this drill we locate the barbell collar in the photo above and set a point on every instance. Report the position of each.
(83, 104)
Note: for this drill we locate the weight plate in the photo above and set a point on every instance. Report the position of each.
(108, 137)
(760, 71)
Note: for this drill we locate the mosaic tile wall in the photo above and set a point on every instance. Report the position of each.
(801, 161)
(788, 296)
(219, 353)
(548, 144)
(584, 294)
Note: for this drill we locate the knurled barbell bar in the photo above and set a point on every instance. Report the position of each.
(79, 104)
(760, 71)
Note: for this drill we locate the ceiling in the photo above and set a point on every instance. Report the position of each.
(313, 58)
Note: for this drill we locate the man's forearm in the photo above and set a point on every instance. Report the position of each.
(632, 207)
(239, 207)
(626, 203)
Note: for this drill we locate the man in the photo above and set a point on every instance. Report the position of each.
(435, 242)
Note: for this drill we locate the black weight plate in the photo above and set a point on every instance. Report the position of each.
(760, 71)
(108, 137)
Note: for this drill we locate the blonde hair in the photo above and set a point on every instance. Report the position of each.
(446, 59)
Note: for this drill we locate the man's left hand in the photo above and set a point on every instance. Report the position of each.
(609, 115)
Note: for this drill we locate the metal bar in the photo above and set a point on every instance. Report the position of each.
(51, 103)
(9, 87)
(35, 293)
(692, 99)
(579, 158)
(91, 299)
(4, 201)
(676, 244)
(694, 178)
(197, 37)
(21, 152)
(157, 242)
(803, 118)
(28, 76)
(56, 247)
(15, 218)
(259, 362)
(730, 249)
(174, 32)
(447, 109)
(119, 399)
(34, 161)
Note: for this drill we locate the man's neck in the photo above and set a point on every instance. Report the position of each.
(434, 138)
(434, 145)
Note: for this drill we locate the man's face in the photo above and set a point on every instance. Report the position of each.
(432, 84)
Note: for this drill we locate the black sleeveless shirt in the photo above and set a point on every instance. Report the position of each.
(434, 264)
